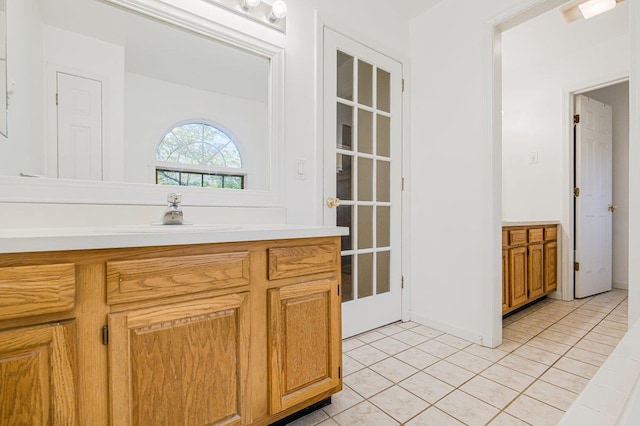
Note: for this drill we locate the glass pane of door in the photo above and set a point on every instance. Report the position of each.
(363, 179)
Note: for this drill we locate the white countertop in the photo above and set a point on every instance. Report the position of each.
(21, 240)
(530, 222)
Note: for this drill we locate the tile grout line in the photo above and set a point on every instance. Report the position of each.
(522, 393)
(463, 349)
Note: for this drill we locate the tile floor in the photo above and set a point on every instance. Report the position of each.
(410, 374)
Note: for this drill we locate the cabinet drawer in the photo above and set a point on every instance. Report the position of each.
(27, 291)
(288, 262)
(133, 280)
(551, 233)
(535, 235)
(517, 236)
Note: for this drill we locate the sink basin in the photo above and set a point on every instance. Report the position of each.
(157, 228)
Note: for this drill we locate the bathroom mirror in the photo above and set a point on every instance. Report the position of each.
(3, 68)
(131, 95)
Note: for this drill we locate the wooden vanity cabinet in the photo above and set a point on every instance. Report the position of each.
(38, 345)
(230, 334)
(505, 280)
(37, 375)
(518, 267)
(303, 318)
(531, 269)
(304, 325)
(182, 363)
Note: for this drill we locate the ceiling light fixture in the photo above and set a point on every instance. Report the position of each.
(271, 13)
(279, 10)
(249, 4)
(592, 8)
(585, 9)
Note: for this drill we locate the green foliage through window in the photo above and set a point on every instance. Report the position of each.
(206, 180)
(200, 147)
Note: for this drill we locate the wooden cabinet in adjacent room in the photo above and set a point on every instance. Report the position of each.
(505, 280)
(530, 271)
(518, 276)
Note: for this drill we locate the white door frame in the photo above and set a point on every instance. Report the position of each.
(405, 258)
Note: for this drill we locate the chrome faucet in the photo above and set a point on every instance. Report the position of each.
(173, 214)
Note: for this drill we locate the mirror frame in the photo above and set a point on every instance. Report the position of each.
(63, 191)
(4, 100)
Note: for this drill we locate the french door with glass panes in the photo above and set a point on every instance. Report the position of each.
(362, 177)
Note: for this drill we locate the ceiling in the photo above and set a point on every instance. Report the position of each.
(164, 52)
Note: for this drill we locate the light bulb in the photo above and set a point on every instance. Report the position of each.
(278, 10)
(249, 4)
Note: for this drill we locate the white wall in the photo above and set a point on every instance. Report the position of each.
(618, 97)
(23, 151)
(542, 60)
(455, 250)
(153, 107)
(634, 164)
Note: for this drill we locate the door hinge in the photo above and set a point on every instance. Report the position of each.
(576, 119)
(339, 372)
(402, 282)
(576, 192)
(576, 266)
(57, 99)
(403, 85)
(105, 334)
(402, 184)
(338, 289)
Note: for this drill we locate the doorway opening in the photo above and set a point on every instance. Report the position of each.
(540, 63)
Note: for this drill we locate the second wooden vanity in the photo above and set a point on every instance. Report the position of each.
(221, 333)
(529, 264)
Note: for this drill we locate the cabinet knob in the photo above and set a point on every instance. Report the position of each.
(333, 202)
(612, 208)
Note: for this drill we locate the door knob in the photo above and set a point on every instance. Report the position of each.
(612, 207)
(333, 202)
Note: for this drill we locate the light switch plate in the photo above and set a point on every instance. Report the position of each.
(301, 170)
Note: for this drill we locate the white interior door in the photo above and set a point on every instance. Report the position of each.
(594, 205)
(79, 102)
(363, 151)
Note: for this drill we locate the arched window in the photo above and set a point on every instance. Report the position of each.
(199, 154)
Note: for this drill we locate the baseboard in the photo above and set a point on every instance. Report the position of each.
(446, 328)
(621, 286)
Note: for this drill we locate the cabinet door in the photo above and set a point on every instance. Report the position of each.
(37, 376)
(305, 342)
(536, 268)
(518, 276)
(505, 280)
(184, 363)
(550, 264)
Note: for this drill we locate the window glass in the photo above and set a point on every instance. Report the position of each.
(194, 154)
